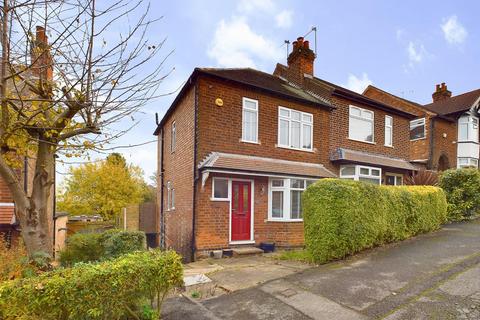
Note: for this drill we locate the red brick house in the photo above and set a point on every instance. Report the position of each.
(237, 147)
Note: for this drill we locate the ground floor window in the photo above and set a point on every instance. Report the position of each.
(467, 163)
(361, 173)
(285, 198)
(393, 179)
(220, 189)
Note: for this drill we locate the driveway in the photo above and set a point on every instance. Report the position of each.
(433, 276)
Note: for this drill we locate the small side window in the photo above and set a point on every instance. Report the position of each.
(220, 189)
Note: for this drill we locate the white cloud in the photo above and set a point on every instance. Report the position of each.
(255, 5)
(453, 30)
(416, 52)
(284, 19)
(235, 44)
(400, 34)
(358, 84)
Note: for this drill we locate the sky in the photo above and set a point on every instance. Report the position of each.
(403, 47)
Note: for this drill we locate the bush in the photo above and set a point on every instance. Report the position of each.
(89, 247)
(114, 289)
(462, 187)
(342, 217)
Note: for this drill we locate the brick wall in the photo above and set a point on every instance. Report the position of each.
(178, 166)
(220, 128)
(444, 143)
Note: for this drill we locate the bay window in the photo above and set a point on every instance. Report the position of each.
(361, 173)
(285, 199)
(295, 129)
(417, 129)
(250, 120)
(467, 163)
(468, 129)
(360, 124)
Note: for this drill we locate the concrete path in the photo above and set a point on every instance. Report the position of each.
(434, 276)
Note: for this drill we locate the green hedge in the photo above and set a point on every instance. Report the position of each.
(342, 217)
(89, 247)
(115, 289)
(462, 187)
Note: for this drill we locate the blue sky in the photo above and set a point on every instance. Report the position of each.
(404, 47)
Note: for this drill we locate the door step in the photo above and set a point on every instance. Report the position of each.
(246, 251)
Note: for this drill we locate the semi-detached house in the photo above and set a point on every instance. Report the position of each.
(237, 148)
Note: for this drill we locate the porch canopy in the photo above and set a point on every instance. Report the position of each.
(258, 166)
(342, 155)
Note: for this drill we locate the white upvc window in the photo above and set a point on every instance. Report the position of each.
(220, 189)
(285, 198)
(170, 196)
(250, 120)
(468, 129)
(360, 124)
(388, 131)
(393, 179)
(361, 173)
(417, 129)
(467, 163)
(295, 129)
(173, 137)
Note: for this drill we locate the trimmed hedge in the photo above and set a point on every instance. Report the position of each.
(342, 217)
(89, 247)
(462, 187)
(113, 289)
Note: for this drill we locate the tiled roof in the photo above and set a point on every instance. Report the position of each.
(460, 103)
(263, 166)
(348, 155)
(7, 214)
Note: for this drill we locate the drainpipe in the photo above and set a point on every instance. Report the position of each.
(162, 215)
(193, 243)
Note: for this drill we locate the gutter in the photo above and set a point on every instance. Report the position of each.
(195, 179)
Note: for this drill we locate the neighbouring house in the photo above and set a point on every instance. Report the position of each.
(451, 127)
(237, 148)
(41, 69)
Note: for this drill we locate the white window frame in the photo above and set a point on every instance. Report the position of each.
(413, 124)
(357, 175)
(372, 122)
(396, 175)
(286, 188)
(389, 126)
(302, 122)
(244, 99)
(170, 196)
(173, 137)
(471, 162)
(229, 188)
(472, 128)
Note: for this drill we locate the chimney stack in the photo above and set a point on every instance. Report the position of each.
(42, 64)
(300, 61)
(441, 92)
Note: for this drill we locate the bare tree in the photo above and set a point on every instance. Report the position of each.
(67, 73)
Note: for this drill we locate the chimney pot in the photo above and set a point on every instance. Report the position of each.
(300, 39)
(306, 44)
(437, 87)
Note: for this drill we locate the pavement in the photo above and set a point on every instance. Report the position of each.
(432, 276)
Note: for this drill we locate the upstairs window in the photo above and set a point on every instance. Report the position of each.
(388, 131)
(360, 124)
(173, 137)
(468, 129)
(295, 129)
(250, 120)
(417, 129)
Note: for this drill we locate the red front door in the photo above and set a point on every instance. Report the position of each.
(241, 210)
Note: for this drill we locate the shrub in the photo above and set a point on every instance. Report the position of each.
(462, 187)
(112, 289)
(88, 247)
(342, 217)
(12, 260)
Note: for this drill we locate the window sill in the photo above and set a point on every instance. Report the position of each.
(251, 142)
(386, 145)
(284, 220)
(220, 199)
(424, 138)
(467, 141)
(368, 142)
(295, 149)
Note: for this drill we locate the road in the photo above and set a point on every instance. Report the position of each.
(432, 276)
